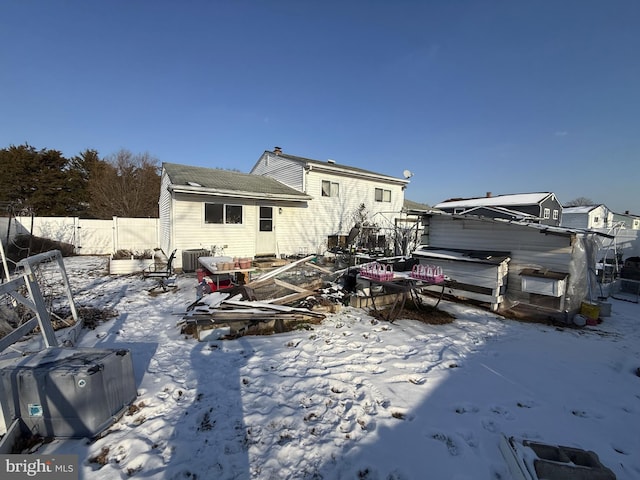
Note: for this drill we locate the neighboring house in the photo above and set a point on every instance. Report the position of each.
(623, 227)
(627, 230)
(543, 208)
(587, 216)
(202, 208)
(629, 221)
(506, 263)
(338, 192)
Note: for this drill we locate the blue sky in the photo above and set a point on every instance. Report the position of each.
(471, 96)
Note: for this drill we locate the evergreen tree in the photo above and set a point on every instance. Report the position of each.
(41, 182)
(45, 183)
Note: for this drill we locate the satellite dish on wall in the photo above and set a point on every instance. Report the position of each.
(407, 174)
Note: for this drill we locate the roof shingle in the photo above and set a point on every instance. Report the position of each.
(226, 180)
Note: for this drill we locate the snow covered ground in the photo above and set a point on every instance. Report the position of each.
(355, 398)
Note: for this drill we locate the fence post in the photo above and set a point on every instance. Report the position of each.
(115, 234)
(76, 236)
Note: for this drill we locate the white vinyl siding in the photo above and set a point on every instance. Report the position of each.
(307, 229)
(282, 169)
(191, 231)
(165, 214)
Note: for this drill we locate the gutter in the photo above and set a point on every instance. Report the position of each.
(237, 194)
(350, 173)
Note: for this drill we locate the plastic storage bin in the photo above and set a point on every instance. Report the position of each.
(65, 392)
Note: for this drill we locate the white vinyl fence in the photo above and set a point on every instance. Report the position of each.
(103, 237)
(89, 237)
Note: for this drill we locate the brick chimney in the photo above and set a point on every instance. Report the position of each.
(277, 150)
(489, 194)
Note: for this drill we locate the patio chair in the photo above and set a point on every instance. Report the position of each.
(162, 272)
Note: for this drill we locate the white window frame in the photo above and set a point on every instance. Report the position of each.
(547, 213)
(382, 195)
(330, 189)
(225, 214)
(555, 214)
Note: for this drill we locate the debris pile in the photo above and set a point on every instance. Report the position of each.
(291, 296)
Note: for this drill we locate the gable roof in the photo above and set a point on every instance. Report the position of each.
(208, 181)
(582, 209)
(497, 201)
(507, 212)
(334, 167)
(410, 205)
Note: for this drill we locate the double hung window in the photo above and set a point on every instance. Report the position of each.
(383, 195)
(330, 189)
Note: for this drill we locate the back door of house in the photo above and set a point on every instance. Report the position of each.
(266, 232)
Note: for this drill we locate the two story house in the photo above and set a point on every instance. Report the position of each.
(628, 220)
(342, 197)
(587, 217)
(543, 207)
(286, 205)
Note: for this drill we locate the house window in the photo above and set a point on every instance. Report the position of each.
(547, 213)
(266, 219)
(458, 210)
(383, 195)
(596, 219)
(555, 214)
(220, 213)
(330, 189)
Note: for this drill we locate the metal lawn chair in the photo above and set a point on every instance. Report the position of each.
(162, 272)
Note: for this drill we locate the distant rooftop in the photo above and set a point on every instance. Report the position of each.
(495, 201)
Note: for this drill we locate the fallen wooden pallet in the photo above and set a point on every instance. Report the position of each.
(237, 317)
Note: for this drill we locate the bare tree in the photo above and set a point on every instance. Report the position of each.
(125, 185)
(580, 202)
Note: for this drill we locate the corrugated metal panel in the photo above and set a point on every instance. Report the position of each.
(527, 245)
(529, 248)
